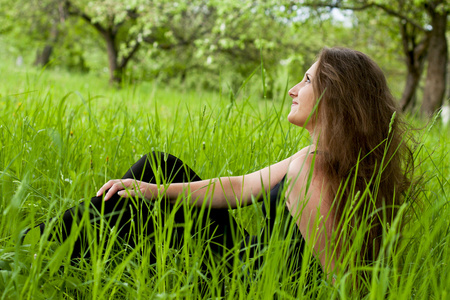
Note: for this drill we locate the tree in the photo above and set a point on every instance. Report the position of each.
(56, 17)
(126, 27)
(34, 20)
(433, 97)
(415, 52)
(42, 28)
(216, 41)
(117, 23)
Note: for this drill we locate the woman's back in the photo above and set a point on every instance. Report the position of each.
(310, 205)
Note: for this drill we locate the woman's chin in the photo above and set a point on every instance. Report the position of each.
(289, 118)
(292, 117)
(297, 123)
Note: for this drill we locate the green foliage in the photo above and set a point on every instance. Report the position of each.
(200, 44)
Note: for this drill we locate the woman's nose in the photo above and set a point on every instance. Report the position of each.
(293, 92)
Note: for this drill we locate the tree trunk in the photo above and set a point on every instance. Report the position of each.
(415, 54)
(115, 70)
(408, 100)
(437, 63)
(43, 57)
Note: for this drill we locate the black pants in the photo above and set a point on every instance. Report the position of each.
(131, 216)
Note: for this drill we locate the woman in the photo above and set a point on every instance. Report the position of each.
(346, 106)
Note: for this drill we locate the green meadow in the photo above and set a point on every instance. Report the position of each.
(62, 136)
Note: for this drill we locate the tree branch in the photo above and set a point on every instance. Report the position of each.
(131, 13)
(127, 58)
(365, 6)
(400, 16)
(75, 11)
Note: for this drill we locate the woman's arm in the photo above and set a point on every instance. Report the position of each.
(223, 192)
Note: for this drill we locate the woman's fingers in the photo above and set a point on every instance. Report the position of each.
(124, 188)
(127, 193)
(106, 187)
(138, 189)
(112, 190)
(116, 186)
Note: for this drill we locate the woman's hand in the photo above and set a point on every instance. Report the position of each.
(126, 188)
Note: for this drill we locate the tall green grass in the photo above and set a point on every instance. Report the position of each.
(62, 136)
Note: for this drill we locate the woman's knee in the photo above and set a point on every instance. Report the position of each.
(165, 165)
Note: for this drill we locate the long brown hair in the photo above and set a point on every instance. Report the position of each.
(362, 139)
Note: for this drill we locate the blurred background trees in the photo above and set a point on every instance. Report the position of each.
(422, 25)
(215, 44)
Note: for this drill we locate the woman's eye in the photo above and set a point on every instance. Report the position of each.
(308, 80)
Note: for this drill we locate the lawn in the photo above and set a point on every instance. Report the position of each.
(63, 135)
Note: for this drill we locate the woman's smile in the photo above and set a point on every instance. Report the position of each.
(302, 93)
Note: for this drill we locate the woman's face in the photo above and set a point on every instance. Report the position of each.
(303, 101)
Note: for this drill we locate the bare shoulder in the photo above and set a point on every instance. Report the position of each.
(303, 163)
(307, 183)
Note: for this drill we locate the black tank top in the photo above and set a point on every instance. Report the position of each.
(275, 210)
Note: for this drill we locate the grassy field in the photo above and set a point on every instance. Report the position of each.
(62, 136)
